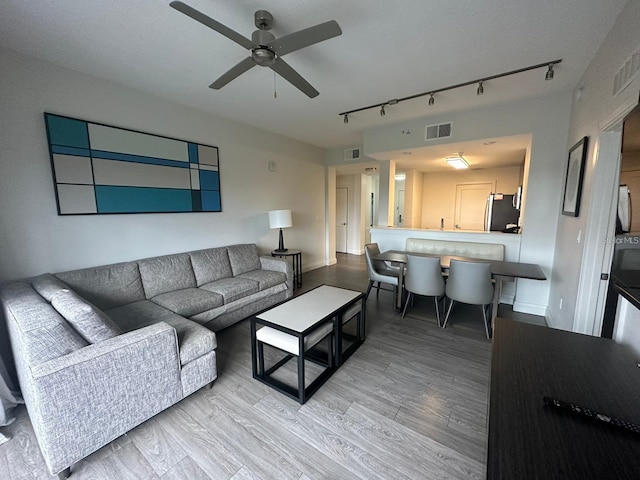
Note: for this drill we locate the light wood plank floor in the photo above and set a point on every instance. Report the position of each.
(411, 403)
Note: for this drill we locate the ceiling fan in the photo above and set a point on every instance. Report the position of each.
(266, 50)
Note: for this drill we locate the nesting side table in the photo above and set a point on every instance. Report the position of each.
(296, 259)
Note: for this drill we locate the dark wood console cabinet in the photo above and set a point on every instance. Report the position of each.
(528, 440)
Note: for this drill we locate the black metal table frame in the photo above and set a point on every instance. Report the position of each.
(296, 260)
(331, 361)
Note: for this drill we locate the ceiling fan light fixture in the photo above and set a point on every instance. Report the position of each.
(263, 56)
(457, 162)
(346, 118)
(480, 90)
(431, 100)
(382, 112)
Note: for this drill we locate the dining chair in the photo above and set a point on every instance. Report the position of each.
(470, 282)
(424, 277)
(380, 272)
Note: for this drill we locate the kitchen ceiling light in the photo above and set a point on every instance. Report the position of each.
(479, 91)
(457, 162)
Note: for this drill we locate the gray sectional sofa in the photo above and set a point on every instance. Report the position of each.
(100, 350)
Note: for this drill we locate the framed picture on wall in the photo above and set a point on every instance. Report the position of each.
(573, 182)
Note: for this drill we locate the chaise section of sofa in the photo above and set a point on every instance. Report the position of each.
(100, 350)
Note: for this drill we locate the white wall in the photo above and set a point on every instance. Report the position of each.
(595, 108)
(34, 239)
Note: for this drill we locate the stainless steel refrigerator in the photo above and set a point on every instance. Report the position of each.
(501, 213)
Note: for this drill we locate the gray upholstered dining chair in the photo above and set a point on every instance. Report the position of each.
(470, 282)
(379, 272)
(424, 277)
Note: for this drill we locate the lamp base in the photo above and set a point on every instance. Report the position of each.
(281, 248)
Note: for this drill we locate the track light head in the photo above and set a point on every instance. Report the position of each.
(549, 75)
(382, 112)
(346, 118)
(480, 90)
(431, 100)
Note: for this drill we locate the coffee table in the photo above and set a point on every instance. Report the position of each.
(296, 326)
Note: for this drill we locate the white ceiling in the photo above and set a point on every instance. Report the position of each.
(387, 50)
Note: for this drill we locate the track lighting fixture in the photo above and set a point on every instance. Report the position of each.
(549, 75)
(479, 91)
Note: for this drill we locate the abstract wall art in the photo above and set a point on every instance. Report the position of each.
(102, 169)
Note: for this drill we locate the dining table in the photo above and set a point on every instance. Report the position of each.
(501, 270)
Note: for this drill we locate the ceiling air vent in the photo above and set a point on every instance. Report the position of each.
(352, 154)
(433, 132)
(627, 72)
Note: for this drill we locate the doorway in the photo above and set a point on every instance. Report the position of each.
(342, 218)
(471, 202)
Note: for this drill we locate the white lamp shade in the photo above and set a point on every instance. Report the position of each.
(280, 219)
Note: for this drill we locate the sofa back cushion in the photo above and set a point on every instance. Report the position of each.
(244, 258)
(106, 286)
(210, 265)
(166, 274)
(38, 332)
(90, 322)
(48, 285)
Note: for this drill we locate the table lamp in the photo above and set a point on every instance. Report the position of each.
(280, 219)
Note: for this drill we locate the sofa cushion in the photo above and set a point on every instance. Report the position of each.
(194, 340)
(189, 301)
(232, 289)
(48, 285)
(46, 335)
(244, 258)
(210, 265)
(166, 274)
(265, 278)
(106, 286)
(90, 322)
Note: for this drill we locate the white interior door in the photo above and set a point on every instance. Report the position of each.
(342, 218)
(471, 200)
(399, 220)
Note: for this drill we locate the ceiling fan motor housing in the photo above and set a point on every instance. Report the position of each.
(263, 55)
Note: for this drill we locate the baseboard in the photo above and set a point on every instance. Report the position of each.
(355, 251)
(532, 308)
(508, 299)
(313, 266)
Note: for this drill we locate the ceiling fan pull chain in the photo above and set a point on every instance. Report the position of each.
(275, 94)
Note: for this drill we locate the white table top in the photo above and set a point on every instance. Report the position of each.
(302, 312)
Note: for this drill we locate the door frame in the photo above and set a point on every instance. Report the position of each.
(597, 252)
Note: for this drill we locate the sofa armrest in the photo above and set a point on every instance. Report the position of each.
(87, 398)
(278, 265)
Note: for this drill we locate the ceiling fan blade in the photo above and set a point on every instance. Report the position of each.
(213, 24)
(283, 69)
(304, 38)
(236, 71)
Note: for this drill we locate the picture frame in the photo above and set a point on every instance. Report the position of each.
(573, 181)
